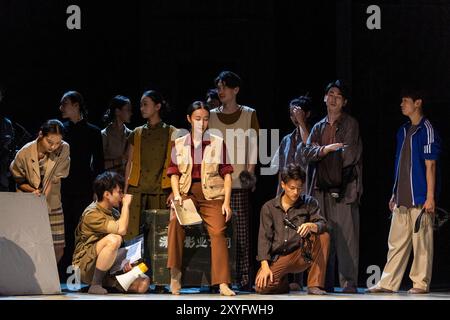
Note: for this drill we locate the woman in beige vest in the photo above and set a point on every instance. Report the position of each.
(199, 171)
(38, 168)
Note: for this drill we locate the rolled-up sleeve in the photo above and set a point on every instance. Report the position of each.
(173, 167)
(98, 223)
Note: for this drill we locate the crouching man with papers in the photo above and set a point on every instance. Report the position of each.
(199, 172)
(99, 235)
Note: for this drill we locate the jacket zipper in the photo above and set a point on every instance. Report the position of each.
(411, 168)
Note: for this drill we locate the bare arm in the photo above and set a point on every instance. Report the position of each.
(175, 183)
(124, 215)
(227, 187)
(226, 210)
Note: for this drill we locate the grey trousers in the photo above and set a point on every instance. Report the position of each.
(343, 227)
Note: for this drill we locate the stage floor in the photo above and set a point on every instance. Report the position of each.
(198, 294)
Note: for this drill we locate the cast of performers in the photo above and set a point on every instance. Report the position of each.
(199, 171)
(39, 167)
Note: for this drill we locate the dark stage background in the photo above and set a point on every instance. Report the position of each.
(281, 49)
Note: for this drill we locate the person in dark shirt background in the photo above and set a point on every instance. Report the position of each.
(86, 154)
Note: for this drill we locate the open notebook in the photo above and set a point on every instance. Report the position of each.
(187, 214)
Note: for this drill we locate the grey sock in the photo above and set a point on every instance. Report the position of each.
(97, 279)
(96, 284)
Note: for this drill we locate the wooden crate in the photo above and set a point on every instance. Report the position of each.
(197, 252)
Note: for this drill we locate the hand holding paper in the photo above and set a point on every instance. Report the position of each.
(186, 213)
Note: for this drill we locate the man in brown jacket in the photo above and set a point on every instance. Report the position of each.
(334, 154)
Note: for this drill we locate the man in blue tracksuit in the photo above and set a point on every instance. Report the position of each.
(415, 188)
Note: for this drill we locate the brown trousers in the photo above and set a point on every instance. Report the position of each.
(211, 212)
(294, 263)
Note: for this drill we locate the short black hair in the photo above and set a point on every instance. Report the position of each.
(212, 94)
(305, 102)
(107, 181)
(341, 85)
(292, 172)
(195, 106)
(413, 93)
(228, 78)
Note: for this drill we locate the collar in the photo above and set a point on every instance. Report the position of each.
(239, 109)
(79, 123)
(155, 126)
(294, 133)
(300, 201)
(338, 120)
(421, 123)
(111, 127)
(103, 210)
